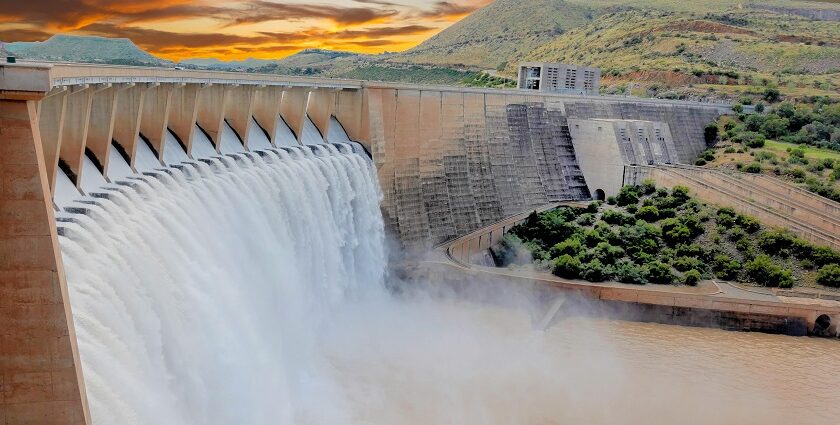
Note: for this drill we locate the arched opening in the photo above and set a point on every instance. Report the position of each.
(822, 324)
(600, 195)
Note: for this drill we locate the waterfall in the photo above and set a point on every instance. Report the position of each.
(198, 292)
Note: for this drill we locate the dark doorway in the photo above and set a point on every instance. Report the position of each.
(600, 195)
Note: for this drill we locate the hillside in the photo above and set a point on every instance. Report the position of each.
(85, 49)
(504, 30)
(676, 49)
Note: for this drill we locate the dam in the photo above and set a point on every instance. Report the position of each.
(144, 210)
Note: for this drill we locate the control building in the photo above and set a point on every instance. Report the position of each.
(559, 78)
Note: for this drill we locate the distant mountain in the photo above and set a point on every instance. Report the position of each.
(86, 49)
(499, 32)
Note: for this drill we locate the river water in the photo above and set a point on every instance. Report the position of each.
(461, 363)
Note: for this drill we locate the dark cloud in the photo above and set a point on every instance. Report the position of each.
(262, 11)
(445, 9)
(159, 40)
(23, 35)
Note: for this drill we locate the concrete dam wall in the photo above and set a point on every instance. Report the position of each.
(450, 160)
(453, 160)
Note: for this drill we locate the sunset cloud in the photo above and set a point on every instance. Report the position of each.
(177, 29)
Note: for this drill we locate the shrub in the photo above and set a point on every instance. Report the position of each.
(628, 272)
(700, 162)
(586, 219)
(674, 231)
(691, 278)
(684, 264)
(593, 207)
(628, 195)
(567, 267)
(648, 187)
(823, 256)
(726, 267)
(829, 276)
(611, 200)
(617, 217)
(750, 224)
(751, 139)
(660, 273)
(761, 270)
(648, 213)
(681, 194)
(592, 237)
(772, 94)
(753, 168)
(572, 247)
(759, 107)
(726, 216)
(607, 253)
(729, 150)
(595, 271)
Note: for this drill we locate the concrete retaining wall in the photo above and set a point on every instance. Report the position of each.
(770, 208)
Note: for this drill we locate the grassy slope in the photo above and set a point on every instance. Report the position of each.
(501, 31)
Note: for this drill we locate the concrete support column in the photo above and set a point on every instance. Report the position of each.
(352, 114)
(238, 108)
(267, 107)
(183, 113)
(101, 128)
(293, 109)
(155, 116)
(211, 112)
(320, 108)
(75, 129)
(51, 121)
(40, 371)
(127, 122)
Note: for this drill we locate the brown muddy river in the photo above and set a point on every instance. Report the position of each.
(462, 363)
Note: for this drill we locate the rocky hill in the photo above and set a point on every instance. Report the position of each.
(86, 49)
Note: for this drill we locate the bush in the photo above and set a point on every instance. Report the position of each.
(628, 195)
(608, 254)
(749, 224)
(648, 213)
(772, 94)
(648, 187)
(829, 276)
(753, 168)
(759, 107)
(729, 150)
(572, 247)
(628, 272)
(761, 270)
(592, 237)
(660, 273)
(726, 267)
(586, 219)
(691, 278)
(611, 200)
(595, 271)
(617, 218)
(681, 194)
(674, 231)
(567, 267)
(684, 264)
(700, 162)
(750, 139)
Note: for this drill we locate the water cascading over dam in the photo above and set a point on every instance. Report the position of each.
(197, 294)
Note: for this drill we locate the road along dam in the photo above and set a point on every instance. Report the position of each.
(449, 161)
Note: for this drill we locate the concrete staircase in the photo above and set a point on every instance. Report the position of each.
(772, 201)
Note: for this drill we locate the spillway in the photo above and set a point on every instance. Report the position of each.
(197, 291)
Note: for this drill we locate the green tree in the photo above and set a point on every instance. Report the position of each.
(628, 272)
(595, 271)
(648, 213)
(710, 133)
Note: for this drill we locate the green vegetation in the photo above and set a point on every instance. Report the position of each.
(483, 79)
(796, 142)
(659, 236)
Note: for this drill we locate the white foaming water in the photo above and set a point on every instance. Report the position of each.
(197, 296)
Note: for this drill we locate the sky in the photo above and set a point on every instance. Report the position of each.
(237, 29)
